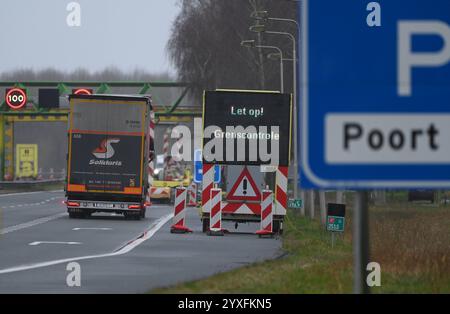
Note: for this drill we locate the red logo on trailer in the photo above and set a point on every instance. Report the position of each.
(245, 188)
(16, 98)
(82, 91)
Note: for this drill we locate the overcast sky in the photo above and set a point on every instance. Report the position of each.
(128, 34)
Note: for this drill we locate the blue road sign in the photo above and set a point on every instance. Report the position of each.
(375, 94)
(198, 168)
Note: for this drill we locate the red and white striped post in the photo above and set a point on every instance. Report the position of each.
(166, 139)
(192, 194)
(180, 213)
(266, 214)
(215, 216)
(39, 176)
(207, 184)
(151, 163)
(281, 190)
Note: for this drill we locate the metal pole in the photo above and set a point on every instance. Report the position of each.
(294, 123)
(294, 102)
(311, 204)
(323, 207)
(360, 242)
(303, 197)
(282, 74)
(339, 198)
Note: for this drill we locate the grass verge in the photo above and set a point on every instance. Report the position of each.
(411, 244)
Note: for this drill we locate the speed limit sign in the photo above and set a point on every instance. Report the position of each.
(15, 98)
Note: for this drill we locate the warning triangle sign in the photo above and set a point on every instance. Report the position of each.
(245, 188)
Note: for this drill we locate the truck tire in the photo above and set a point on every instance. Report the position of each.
(73, 215)
(205, 225)
(132, 216)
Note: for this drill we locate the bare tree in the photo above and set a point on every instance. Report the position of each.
(205, 44)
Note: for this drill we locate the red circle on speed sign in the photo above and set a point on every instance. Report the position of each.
(16, 98)
(82, 91)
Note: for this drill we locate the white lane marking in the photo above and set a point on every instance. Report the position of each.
(103, 229)
(26, 193)
(127, 248)
(53, 242)
(31, 223)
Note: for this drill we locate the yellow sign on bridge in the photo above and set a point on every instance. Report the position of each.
(26, 160)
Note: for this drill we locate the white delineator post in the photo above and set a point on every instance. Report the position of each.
(166, 139)
(180, 213)
(215, 218)
(266, 214)
(281, 190)
(39, 176)
(192, 193)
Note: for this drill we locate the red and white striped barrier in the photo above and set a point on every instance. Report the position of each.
(279, 205)
(192, 194)
(208, 184)
(266, 214)
(166, 139)
(215, 216)
(39, 176)
(151, 163)
(281, 190)
(180, 212)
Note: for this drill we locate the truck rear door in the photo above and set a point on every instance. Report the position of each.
(107, 142)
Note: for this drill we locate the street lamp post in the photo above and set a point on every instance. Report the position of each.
(261, 28)
(251, 44)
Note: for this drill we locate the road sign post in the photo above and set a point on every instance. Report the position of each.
(361, 244)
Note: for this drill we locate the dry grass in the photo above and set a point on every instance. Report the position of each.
(410, 242)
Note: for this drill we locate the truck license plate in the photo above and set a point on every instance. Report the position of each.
(103, 205)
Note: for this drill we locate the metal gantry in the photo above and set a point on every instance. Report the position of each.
(170, 112)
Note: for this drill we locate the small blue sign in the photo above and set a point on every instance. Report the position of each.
(374, 94)
(198, 168)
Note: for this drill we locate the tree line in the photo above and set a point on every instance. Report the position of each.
(205, 44)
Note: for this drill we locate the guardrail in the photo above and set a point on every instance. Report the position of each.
(11, 185)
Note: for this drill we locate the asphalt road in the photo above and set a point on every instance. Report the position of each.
(38, 241)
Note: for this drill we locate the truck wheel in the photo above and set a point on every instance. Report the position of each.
(132, 216)
(73, 215)
(143, 212)
(205, 225)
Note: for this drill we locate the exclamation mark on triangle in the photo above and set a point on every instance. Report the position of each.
(244, 187)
